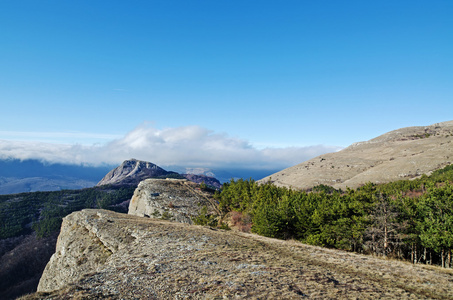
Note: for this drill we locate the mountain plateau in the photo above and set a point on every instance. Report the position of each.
(405, 153)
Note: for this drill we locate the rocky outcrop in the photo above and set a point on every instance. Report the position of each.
(133, 171)
(86, 240)
(400, 154)
(102, 254)
(174, 199)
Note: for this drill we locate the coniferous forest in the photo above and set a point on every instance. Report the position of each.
(42, 212)
(408, 219)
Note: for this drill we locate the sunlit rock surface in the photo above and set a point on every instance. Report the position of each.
(173, 199)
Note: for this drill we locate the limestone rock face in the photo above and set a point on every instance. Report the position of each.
(174, 199)
(87, 239)
(405, 153)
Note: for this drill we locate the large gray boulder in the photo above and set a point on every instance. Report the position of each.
(87, 239)
(174, 199)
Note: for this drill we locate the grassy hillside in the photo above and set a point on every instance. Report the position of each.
(405, 153)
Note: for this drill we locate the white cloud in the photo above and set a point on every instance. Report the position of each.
(55, 137)
(189, 146)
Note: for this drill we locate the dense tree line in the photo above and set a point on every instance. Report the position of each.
(409, 219)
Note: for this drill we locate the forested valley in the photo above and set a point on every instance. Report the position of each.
(408, 219)
(29, 226)
(42, 212)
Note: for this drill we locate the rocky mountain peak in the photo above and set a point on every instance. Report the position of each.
(133, 171)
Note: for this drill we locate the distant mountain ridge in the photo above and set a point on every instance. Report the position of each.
(35, 168)
(133, 171)
(13, 185)
(18, 176)
(32, 175)
(404, 153)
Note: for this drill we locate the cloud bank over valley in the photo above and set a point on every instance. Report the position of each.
(188, 147)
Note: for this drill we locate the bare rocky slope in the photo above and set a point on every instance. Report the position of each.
(102, 254)
(400, 154)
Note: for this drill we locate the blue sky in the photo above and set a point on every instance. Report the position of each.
(276, 75)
